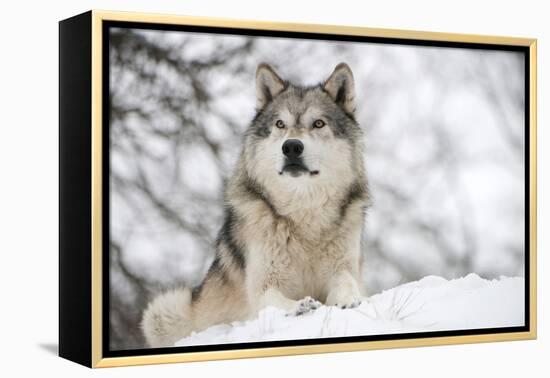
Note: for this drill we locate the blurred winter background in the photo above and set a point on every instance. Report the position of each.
(445, 156)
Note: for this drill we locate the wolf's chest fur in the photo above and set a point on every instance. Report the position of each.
(298, 251)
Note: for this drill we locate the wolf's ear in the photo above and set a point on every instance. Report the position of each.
(268, 85)
(341, 88)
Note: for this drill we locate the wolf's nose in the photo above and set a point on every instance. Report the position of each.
(293, 148)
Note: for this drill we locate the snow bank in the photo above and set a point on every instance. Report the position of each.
(431, 304)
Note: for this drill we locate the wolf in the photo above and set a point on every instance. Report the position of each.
(294, 213)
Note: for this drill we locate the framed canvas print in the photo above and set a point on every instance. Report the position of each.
(234, 189)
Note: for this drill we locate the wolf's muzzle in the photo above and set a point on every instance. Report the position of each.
(294, 164)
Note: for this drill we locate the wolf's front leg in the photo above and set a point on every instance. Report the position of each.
(344, 290)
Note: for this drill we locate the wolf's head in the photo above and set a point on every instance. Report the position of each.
(304, 139)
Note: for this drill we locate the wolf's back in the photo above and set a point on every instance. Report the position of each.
(173, 315)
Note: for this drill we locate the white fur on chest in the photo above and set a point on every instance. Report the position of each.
(299, 258)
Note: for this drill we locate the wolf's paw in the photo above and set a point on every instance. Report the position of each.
(355, 302)
(305, 305)
(344, 293)
(344, 301)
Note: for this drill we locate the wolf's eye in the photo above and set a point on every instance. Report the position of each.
(280, 124)
(319, 123)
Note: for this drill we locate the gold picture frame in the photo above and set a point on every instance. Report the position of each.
(90, 328)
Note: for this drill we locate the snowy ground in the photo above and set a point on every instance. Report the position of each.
(431, 304)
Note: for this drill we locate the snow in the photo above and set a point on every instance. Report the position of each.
(430, 304)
